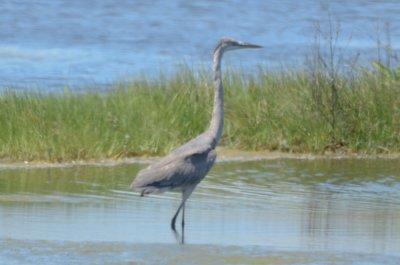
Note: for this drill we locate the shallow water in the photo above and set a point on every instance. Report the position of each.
(47, 44)
(267, 212)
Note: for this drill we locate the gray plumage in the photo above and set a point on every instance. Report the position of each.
(187, 165)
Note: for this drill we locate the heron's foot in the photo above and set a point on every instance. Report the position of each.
(180, 239)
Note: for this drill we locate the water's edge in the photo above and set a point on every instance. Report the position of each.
(224, 155)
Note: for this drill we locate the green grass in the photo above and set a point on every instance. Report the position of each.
(290, 111)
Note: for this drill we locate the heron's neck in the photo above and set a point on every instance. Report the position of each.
(217, 120)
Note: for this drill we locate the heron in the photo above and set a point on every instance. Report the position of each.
(184, 168)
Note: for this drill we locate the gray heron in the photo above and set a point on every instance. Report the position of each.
(187, 165)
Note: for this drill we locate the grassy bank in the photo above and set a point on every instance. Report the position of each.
(291, 111)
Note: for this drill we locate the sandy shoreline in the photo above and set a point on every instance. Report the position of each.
(224, 155)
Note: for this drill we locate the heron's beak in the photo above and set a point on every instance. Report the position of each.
(249, 45)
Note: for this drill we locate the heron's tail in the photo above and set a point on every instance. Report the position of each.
(137, 186)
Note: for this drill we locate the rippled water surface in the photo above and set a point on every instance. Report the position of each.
(265, 212)
(47, 44)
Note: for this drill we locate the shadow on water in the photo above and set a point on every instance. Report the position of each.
(277, 211)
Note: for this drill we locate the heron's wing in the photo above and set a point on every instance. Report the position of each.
(198, 145)
(177, 170)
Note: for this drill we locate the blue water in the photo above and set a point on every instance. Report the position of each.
(49, 44)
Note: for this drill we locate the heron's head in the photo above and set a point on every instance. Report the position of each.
(229, 44)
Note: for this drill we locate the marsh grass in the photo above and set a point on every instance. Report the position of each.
(289, 111)
(332, 105)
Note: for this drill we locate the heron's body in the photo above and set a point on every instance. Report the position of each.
(188, 164)
(184, 167)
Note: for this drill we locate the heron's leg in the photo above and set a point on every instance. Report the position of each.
(183, 216)
(183, 236)
(176, 214)
(185, 195)
(183, 224)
